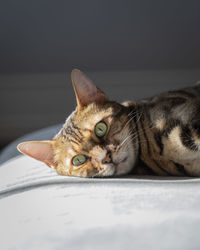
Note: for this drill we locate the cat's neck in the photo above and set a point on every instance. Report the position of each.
(143, 128)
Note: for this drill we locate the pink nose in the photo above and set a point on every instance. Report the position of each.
(108, 158)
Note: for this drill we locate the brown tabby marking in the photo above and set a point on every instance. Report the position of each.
(159, 136)
(160, 124)
(77, 137)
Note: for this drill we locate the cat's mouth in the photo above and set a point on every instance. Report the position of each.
(111, 169)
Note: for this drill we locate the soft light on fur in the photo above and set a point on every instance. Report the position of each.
(159, 136)
(78, 136)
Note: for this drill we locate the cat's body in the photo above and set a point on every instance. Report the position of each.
(168, 131)
(159, 136)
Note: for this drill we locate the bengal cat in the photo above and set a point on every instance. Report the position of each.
(158, 136)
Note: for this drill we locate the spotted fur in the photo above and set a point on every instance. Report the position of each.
(159, 136)
(169, 133)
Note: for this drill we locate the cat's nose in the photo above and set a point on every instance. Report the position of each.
(108, 158)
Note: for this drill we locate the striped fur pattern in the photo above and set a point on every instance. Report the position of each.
(159, 136)
(168, 133)
(77, 137)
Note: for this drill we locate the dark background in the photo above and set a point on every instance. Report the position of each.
(55, 36)
(131, 49)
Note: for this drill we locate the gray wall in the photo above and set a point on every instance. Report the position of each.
(130, 44)
(33, 101)
(55, 36)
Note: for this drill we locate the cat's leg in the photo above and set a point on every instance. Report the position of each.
(182, 146)
(176, 124)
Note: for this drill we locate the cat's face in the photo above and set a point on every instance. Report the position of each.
(95, 142)
(96, 139)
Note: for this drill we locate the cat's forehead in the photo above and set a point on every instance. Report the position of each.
(90, 116)
(78, 129)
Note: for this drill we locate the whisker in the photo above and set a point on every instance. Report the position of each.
(133, 136)
(125, 140)
(129, 120)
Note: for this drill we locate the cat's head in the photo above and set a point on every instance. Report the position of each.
(96, 139)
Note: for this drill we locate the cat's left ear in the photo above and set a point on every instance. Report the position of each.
(86, 92)
(39, 150)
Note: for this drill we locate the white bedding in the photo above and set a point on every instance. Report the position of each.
(41, 210)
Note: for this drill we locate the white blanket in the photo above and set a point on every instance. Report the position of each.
(41, 210)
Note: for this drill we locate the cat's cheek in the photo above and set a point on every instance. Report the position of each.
(122, 169)
(109, 170)
(62, 171)
(87, 171)
(125, 167)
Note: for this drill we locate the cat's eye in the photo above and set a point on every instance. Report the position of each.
(100, 129)
(79, 160)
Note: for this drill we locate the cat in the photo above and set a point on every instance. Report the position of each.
(157, 136)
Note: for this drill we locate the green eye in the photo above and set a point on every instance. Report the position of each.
(100, 129)
(79, 160)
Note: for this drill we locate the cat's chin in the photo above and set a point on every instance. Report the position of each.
(109, 170)
(123, 168)
(120, 168)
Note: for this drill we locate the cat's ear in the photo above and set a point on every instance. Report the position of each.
(39, 150)
(86, 92)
